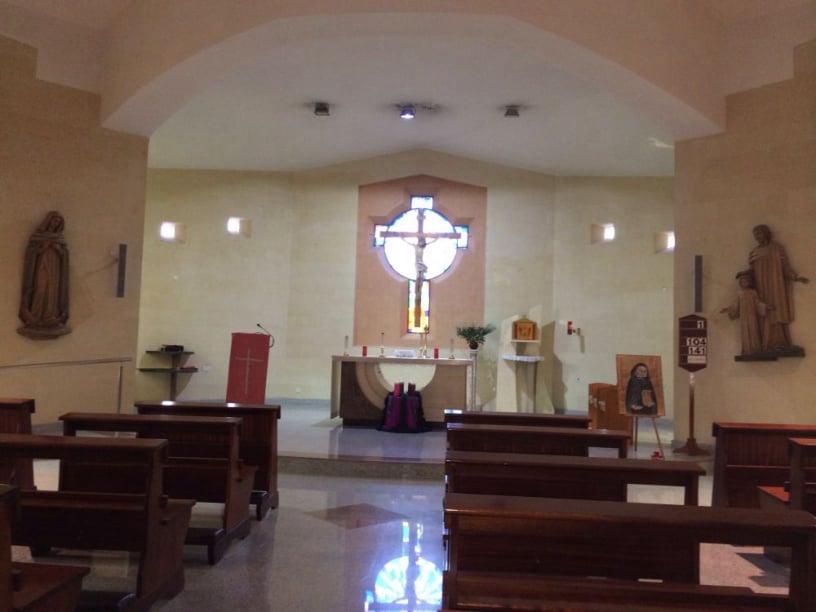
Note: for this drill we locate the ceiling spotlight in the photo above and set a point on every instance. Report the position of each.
(407, 111)
(321, 109)
(511, 110)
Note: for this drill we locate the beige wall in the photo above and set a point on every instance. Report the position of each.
(304, 240)
(761, 170)
(620, 293)
(197, 293)
(54, 155)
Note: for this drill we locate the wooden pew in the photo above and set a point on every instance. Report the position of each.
(504, 592)
(583, 540)
(749, 455)
(32, 587)
(799, 491)
(147, 523)
(494, 417)
(565, 476)
(259, 440)
(15, 417)
(203, 464)
(534, 439)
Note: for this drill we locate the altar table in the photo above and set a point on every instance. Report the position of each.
(358, 386)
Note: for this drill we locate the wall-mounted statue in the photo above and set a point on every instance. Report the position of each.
(752, 313)
(44, 299)
(773, 279)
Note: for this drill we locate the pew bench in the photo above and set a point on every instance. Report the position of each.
(259, 440)
(799, 491)
(535, 475)
(15, 417)
(32, 587)
(203, 464)
(534, 439)
(581, 539)
(147, 523)
(750, 455)
(502, 591)
(496, 417)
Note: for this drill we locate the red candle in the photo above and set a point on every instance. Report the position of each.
(436, 352)
(365, 350)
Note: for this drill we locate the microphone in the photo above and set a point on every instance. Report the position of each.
(268, 333)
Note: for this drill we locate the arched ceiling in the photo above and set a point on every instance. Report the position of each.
(247, 102)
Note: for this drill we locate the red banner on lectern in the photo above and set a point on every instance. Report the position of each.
(249, 358)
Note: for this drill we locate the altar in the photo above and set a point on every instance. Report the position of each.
(359, 385)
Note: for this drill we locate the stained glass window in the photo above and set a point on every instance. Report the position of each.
(420, 244)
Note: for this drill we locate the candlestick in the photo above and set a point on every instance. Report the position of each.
(451, 351)
(345, 346)
(382, 344)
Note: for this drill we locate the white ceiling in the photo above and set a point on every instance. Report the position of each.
(261, 118)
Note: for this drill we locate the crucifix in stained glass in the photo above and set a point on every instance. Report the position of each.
(420, 244)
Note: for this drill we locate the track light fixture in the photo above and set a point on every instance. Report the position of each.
(407, 111)
(511, 110)
(321, 109)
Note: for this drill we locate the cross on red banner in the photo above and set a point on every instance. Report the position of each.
(249, 358)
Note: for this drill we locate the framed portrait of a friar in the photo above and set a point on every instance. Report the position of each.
(640, 385)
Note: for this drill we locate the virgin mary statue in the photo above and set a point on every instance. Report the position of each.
(44, 299)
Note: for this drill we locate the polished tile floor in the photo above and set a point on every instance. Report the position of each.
(368, 538)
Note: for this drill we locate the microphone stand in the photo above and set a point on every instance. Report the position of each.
(266, 331)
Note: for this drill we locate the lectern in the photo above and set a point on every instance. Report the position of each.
(249, 358)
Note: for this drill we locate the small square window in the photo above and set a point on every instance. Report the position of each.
(170, 231)
(603, 232)
(238, 226)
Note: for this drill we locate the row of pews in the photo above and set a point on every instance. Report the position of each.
(130, 482)
(529, 527)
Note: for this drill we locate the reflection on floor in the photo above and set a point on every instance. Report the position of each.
(350, 535)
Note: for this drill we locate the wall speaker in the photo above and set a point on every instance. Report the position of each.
(120, 276)
(698, 283)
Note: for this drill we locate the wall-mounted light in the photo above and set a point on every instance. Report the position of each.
(407, 112)
(170, 231)
(238, 226)
(602, 232)
(664, 242)
(321, 109)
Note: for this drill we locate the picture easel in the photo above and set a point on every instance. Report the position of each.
(653, 419)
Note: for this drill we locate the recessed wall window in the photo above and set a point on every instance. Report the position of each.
(664, 242)
(602, 232)
(238, 226)
(172, 232)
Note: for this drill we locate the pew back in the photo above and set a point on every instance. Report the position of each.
(32, 587)
(495, 417)
(146, 522)
(583, 538)
(565, 476)
(203, 464)
(749, 455)
(534, 439)
(259, 439)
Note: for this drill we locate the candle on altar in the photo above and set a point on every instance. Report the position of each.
(345, 346)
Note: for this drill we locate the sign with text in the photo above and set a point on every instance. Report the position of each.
(693, 343)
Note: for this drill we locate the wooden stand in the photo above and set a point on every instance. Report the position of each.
(690, 447)
(174, 370)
